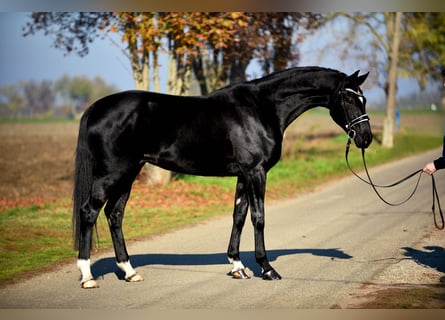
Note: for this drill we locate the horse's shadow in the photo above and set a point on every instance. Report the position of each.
(108, 265)
(433, 257)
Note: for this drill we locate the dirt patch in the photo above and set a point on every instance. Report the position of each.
(36, 162)
(404, 297)
(415, 281)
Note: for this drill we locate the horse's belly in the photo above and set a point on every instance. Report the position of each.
(203, 164)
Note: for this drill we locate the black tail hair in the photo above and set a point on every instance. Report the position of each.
(83, 176)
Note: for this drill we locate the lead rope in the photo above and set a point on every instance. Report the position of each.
(375, 186)
(433, 207)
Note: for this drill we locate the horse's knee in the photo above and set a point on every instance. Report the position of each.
(239, 220)
(114, 214)
(114, 219)
(258, 222)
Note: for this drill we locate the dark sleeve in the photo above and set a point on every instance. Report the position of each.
(439, 163)
(443, 147)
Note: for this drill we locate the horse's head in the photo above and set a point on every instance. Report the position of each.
(349, 110)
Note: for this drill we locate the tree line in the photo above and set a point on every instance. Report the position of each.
(393, 45)
(215, 48)
(65, 97)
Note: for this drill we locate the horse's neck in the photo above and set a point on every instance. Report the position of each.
(289, 106)
(295, 106)
(293, 94)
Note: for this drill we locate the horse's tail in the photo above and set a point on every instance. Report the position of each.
(83, 176)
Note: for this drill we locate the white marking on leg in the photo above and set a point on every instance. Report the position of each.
(237, 265)
(84, 267)
(127, 268)
(87, 281)
(238, 201)
(130, 274)
(238, 270)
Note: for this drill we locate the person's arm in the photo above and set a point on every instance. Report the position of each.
(439, 163)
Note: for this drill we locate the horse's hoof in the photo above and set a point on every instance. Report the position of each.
(89, 284)
(134, 278)
(240, 274)
(271, 275)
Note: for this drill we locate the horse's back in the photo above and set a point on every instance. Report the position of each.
(209, 135)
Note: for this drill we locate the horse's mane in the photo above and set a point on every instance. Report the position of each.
(295, 71)
(282, 74)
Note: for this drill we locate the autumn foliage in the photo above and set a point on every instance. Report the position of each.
(216, 47)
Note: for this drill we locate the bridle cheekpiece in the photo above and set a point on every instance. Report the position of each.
(351, 123)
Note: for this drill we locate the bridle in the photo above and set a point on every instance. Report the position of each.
(350, 124)
(363, 118)
(351, 135)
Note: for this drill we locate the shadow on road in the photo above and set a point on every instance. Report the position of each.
(108, 265)
(433, 257)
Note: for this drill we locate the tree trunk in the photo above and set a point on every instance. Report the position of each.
(389, 122)
(141, 74)
(173, 86)
(155, 174)
(140, 67)
(156, 84)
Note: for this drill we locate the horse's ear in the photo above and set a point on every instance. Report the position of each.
(356, 80)
(362, 79)
(354, 76)
(351, 79)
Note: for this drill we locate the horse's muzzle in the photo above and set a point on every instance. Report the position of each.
(362, 139)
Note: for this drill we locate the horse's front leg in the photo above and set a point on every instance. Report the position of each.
(239, 217)
(256, 192)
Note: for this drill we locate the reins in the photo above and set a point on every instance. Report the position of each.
(413, 174)
(351, 135)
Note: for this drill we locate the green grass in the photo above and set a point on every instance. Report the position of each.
(37, 120)
(38, 236)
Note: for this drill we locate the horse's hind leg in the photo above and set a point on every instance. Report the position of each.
(239, 218)
(114, 210)
(88, 216)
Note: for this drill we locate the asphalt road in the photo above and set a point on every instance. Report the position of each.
(324, 244)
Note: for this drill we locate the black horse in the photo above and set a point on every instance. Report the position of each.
(235, 131)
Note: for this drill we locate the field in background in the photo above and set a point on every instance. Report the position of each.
(36, 164)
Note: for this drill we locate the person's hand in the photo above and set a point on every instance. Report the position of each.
(429, 168)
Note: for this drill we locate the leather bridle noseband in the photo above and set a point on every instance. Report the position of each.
(363, 118)
(351, 123)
